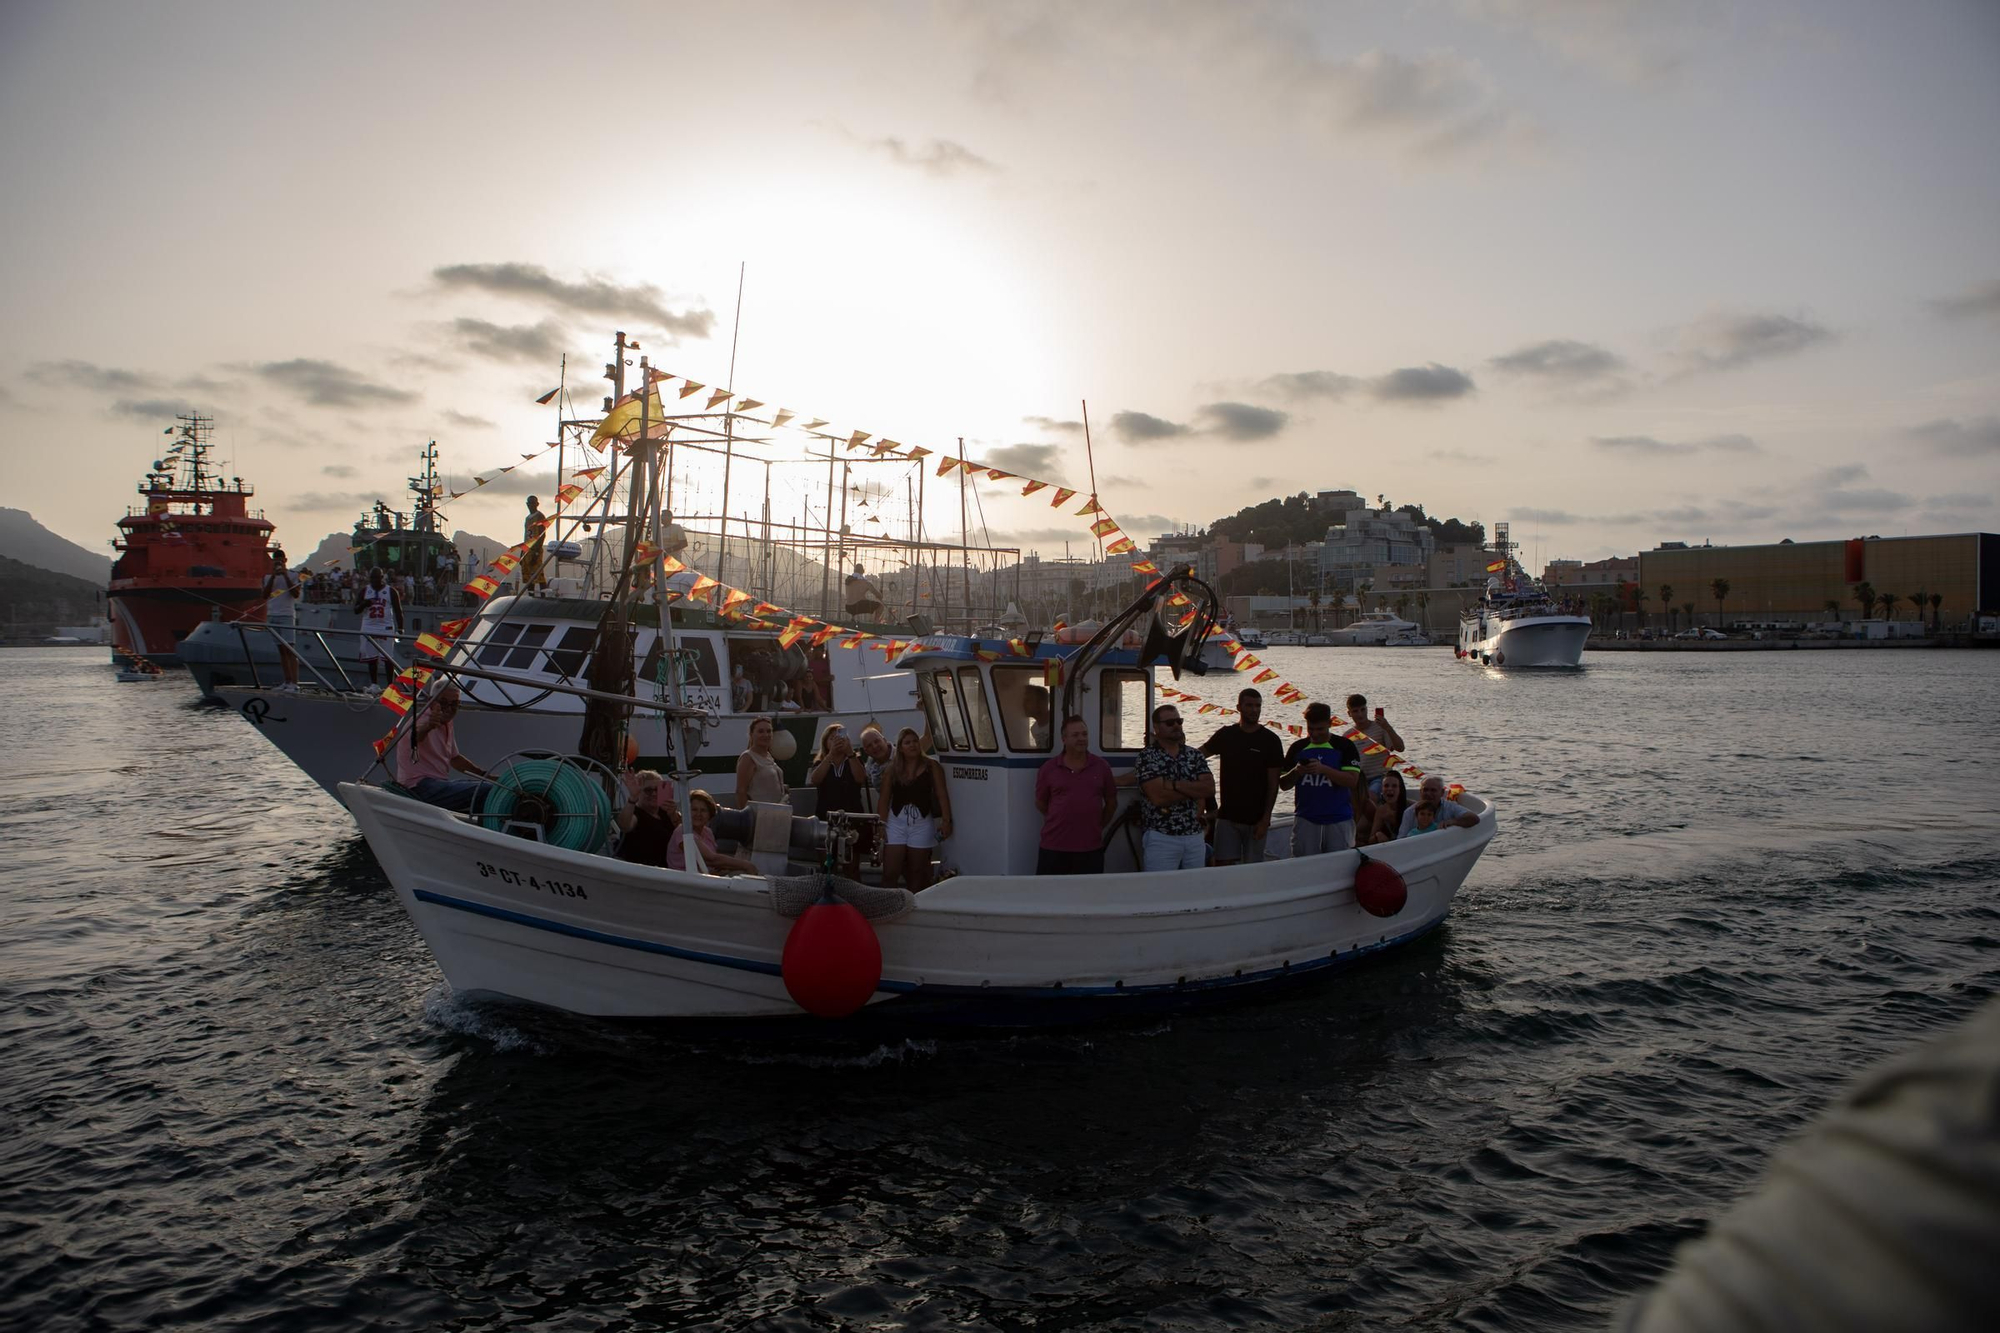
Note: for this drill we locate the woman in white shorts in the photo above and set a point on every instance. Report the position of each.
(916, 812)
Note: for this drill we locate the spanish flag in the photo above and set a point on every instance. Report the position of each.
(451, 629)
(381, 747)
(432, 644)
(395, 700)
(1496, 567)
(482, 587)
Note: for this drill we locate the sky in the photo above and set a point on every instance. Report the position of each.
(1619, 272)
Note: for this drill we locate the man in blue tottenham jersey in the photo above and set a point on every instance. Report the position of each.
(1325, 772)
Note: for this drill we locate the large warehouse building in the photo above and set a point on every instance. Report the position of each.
(1793, 581)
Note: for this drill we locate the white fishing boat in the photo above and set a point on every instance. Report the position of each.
(1370, 629)
(1409, 638)
(521, 909)
(1517, 624)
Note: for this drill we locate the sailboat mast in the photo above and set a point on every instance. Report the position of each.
(965, 538)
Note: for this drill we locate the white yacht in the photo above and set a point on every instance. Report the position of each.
(1371, 628)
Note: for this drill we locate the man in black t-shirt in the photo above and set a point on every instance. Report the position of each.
(1250, 757)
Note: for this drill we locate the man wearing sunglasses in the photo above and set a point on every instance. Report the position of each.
(1174, 779)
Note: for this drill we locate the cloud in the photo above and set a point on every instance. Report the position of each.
(319, 502)
(84, 375)
(1729, 342)
(325, 384)
(1422, 384)
(1052, 424)
(1028, 460)
(1312, 384)
(1648, 445)
(1412, 384)
(1554, 518)
(467, 421)
(150, 409)
(939, 157)
(591, 296)
(1134, 427)
(1980, 299)
(1566, 364)
(1241, 421)
(1635, 43)
(541, 342)
(1436, 104)
(341, 470)
(1977, 438)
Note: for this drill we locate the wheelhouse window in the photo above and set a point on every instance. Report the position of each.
(498, 639)
(955, 728)
(1121, 723)
(974, 692)
(566, 659)
(1025, 708)
(528, 646)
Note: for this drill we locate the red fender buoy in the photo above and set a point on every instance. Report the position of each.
(1379, 888)
(832, 960)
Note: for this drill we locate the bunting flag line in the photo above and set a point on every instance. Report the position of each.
(432, 644)
(482, 587)
(544, 400)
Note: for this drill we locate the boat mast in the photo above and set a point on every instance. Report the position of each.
(684, 774)
(729, 439)
(965, 539)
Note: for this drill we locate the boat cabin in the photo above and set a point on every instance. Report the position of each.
(994, 724)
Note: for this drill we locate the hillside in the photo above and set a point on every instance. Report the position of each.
(23, 539)
(44, 598)
(1292, 520)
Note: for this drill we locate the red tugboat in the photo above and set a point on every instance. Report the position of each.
(195, 549)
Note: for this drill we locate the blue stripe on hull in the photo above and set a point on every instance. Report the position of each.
(982, 1005)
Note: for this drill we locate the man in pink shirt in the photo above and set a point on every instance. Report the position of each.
(1077, 796)
(427, 756)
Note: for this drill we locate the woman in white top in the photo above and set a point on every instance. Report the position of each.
(757, 775)
(281, 613)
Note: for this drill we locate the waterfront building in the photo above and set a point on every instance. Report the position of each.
(1794, 581)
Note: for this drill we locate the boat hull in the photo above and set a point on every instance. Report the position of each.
(515, 919)
(1530, 642)
(221, 652)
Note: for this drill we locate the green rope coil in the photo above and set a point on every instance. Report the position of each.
(567, 803)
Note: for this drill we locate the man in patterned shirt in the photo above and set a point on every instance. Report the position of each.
(1174, 779)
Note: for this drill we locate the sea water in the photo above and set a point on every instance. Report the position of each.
(237, 1094)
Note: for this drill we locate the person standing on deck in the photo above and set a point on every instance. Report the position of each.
(1174, 780)
(1378, 730)
(381, 610)
(534, 533)
(1078, 797)
(281, 613)
(1251, 757)
(1325, 769)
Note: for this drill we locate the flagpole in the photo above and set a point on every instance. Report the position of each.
(729, 436)
(964, 540)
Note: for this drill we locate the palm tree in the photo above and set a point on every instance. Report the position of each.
(1666, 610)
(1833, 609)
(1720, 587)
(1889, 600)
(1688, 609)
(1937, 601)
(1312, 600)
(1917, 605)
(1423, 609)
(1864, 593)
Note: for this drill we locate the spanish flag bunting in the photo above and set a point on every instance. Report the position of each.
(1104, 527)
(587, 474)
(701, 587)
(1262, 676)
(505, 564)
(1032, 487)
(1412, 771)
(395, 700)
(622, 417)
(1179, 599)
(886, 447)
(654, 375)
(855, 640)
(766, 609)
(1123, 546)
(918, 453)
(748, 404)
(567, 492)
(995, 474)
(525, 457)
(893, 647)
(1052, 673)
(820, 636)
(782, 415)
(451, 629)
(645, 552)
(814, 424)
(790, 635)
(1090, 508)
(1496, 567)
(1454, 791)
(381, 747)
(735, 597)
(1063, 493)
(1145, 567)
(719, 396)
(856, 440)
(432, 644)
(1206, 708)
(673, 566)
(544, 401)
(690, 387)
(1295, 729)
(1375, 747)
(986, 654)
(1019, 648)
(482, 587)
(945, 465)
(1248, 660)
